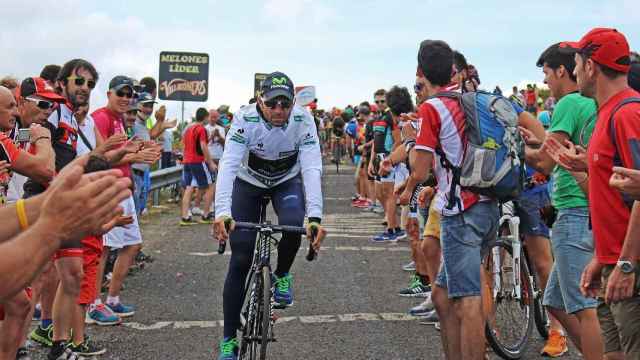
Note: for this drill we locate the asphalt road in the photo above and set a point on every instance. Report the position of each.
(346, 305)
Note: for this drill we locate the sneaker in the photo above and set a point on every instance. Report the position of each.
(144, 258)
(416, 288)
(207, 219)
(361, 203)
(423, 309)
(283, 293)
(387, 236)
(102, 316)
(87, 348)
(61, 351)
(401, 234)
(43, 336)
(22, 354)
(196, 211)
(410, 267)
(187, 221)
(378, 209)
(556, 344)
(121, 310)
(228, 349)
(222, 245)
(431, 318)
(37, 312)
(437, 326)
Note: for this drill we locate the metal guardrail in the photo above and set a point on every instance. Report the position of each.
(163, 178)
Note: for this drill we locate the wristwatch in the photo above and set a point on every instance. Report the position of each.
(626, 266)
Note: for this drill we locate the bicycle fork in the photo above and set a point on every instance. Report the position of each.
(516, 245)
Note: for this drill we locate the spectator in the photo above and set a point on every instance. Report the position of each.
(573, 121)
(602, 64)
(50, 73)
(126, 240)
(198, 167)
(141, 171)
(457, 291)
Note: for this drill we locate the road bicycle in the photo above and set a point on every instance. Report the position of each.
(515, 304)
(258, 316)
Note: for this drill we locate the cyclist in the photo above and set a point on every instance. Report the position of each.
(272, 149)
(338, 138)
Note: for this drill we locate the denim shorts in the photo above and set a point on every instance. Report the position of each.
(572, 244)
(462, 238)
(528, 207)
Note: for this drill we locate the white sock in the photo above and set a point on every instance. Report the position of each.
(113, 300)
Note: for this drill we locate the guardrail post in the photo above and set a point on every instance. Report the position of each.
(156, 197)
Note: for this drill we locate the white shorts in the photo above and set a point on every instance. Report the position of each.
(402, 173)
(129, 235)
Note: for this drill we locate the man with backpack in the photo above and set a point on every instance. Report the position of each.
(467, 225)
(602, 64)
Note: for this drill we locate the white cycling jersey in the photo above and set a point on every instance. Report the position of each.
(266, 156)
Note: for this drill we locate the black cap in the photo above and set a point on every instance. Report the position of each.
(121, 81)
(277, 84)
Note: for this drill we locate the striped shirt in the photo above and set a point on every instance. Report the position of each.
(442, 126)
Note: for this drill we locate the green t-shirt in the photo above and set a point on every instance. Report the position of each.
(574, 115)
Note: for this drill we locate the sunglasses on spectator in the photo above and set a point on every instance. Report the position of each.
(273, 103)
(418, 87)
(41, 104)
(122, 93)
(79, 81)
(381, 101)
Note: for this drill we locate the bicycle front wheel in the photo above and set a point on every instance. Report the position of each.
(510, 319)
(266, 312)
(250, 347)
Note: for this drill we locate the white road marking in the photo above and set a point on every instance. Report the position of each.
(324, 248)
(311, 319)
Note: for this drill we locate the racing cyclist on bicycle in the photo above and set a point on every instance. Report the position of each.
(272, 149)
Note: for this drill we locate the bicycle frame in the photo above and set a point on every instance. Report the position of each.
(514, 238)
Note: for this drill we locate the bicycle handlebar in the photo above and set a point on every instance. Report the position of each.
(311, 254)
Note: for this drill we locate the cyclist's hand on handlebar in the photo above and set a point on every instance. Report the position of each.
(320, 233)
(222, 226)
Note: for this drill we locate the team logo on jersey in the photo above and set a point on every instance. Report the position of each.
(287, 153)
(253, 119)
(237, 137)
(298, 118)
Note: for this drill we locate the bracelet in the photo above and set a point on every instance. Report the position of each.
(22, 214)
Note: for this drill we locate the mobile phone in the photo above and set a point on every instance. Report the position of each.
(24, 135)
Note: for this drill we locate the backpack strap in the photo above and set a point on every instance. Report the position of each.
(455, 171)
(617, 160)
(85, 140)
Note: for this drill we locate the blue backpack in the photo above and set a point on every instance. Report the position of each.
(493, 161)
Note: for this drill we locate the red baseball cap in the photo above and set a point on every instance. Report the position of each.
(39, 87)
(606, 46)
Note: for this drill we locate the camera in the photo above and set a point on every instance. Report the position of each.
(24, 135)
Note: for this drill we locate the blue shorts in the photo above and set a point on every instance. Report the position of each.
(528, 207)
(462, 238)
(357, 159)
(196, 175)
(572, 243)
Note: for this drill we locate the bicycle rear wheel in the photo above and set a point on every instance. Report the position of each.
(510, 321)
(541, 317)
(338, 156)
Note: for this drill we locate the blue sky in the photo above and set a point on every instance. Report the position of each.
(347, 49)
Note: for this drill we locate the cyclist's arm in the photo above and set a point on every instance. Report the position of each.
(311, 168)
(229, 165)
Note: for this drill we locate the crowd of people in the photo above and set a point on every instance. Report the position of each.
(577, 221)
(74, 182)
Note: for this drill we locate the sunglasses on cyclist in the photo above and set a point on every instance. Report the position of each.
(271, 104)
(79, 81)
(41, 104)
(381, 101)
(122, 93)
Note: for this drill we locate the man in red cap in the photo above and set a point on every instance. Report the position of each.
(602, 63)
